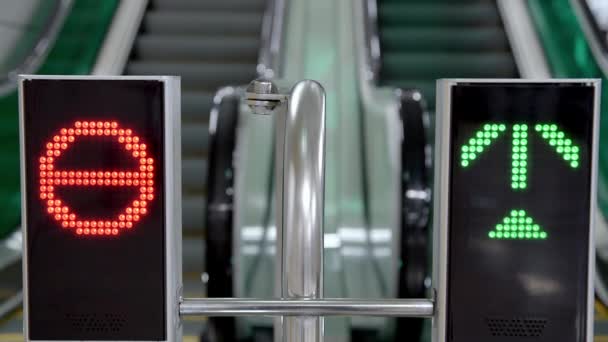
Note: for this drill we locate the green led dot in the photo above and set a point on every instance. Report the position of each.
(515, 185)
(522, 185)
(516, 127)
(515, 141)
(528, 235)
(515, 156)
(520, 235)
(514, 212)
(567, 142)
(524, 127)
(560, 142)
(515, 163)
(553, 135)
(522, 227)
(523, 149)
(472, 156)
(495, 127)
(515, 148)
(528, 227)
(515, 171)
(574, 164)
(514, 227)
(560, 149)
(479, 149)
(515, 178)
(499, 226)
(479, 141)
(494, 134)
(560, 135)
(568, 149)
(524, 141)
(465, 156)
(538, 128)
(507, 235)
(465, 148)
(502, 127)
(574, 149)
(487, 134)
(479, 134)
(516, 135)
(528, 220)
(522, 213)
(464, 163)
(553, 127)
(499, 235)
(472, 141)
(492, 235)
(543, 235)
(523, 163)
(523, 135)
(545, 135)
(522, 178)
(552, 142)
(566, 156)
(574, 157)
(487, 142)
(521, 220)
(535, 227)
(487, 127)
(507, 220)
(535, 235)
(522, 170)
(523, 156)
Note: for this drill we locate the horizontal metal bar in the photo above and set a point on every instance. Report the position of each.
(304, 307)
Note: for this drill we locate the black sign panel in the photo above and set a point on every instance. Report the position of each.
(519, 211)
(95, 211)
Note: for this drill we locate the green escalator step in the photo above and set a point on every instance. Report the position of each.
(443, 40)
(444, 14)
(440, 65)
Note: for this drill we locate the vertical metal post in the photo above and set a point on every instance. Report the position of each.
(303, 192)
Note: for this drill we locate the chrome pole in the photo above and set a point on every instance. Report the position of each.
(303, 192)
(307, 307)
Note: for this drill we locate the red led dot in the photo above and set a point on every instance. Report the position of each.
(85, 174)
(142, 168)
(143, 197)
(129, 224)
(150, 161)
(85, 124)
(42, 159)
(86, 231)
(99, 223)
(57, 217)
(121, 182)
(143, 175)
(99, 174)
(135, 154)
(58, 202)
(79, 231)
(142, 153)
(93, 181)
(129, 218)
(150, 168)
(114, 132)
(93, 224)
(128, 146)
(129, 139)
(91, 174)
(64, 182)
(42, 167)
(135, 218)
(64, 146)
(71, 182)
(114, 231)
(64, 139)
(42, 188)
(85, 182)
(143, 211)
(142, 146)
(107, 224)
(49, 145)
(71, 138)
(79, 224)
(121, 224)
(114, 182)
(43, 174)
(92, 124)
(92, 132)
(150, 197)
(107, 174)
(100, 132)
(63, 131)
(128, 175)
(50, 153)
(143, 161)
(85, 132)
(50, 203)
(64, 174)
(65, 210)
(108, 231)
(143, 203)
(78, 131)
(72, 224)
(121, 217)
(86, 224)
(43, 181)
(56, 153)
(64, 217)
(50, 167)
(114, 224)
(78, 124)
(71, 131)
(129, 182)
(121, 132)
(121, 175)
(64, 224)
(72, 217)
(142, 190)
(56, 146)
(128, 132)
(114, 124)
(56, 138)
(50, 210)
(135, 210)
(129, 211)
(150, 189)
(93, 231)
(136, 182)
(99, 124)
(106, 124)
(50, 195)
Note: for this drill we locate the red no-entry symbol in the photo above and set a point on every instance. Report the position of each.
(51, 178)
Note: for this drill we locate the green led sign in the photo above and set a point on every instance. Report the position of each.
(518, 225)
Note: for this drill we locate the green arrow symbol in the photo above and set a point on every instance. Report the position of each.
(484, 137)
(517, 226)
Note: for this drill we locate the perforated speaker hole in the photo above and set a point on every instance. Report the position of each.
(516, 326)
(99, 323)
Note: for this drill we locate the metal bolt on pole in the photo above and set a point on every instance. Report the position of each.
(300, 166)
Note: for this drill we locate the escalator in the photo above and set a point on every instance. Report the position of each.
(422, 41)
(210, 44)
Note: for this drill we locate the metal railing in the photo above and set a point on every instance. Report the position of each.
(29, 65)
(270, 59)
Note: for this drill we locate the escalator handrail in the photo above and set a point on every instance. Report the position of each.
(373, 56)
(34, 60)
(270, 62)
(598, 45)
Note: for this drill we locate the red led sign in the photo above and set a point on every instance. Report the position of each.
(52, 178)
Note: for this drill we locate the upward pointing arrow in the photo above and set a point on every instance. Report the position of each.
(490, 132)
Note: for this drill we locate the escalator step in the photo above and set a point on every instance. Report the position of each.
(194, 173)
(199, 49)
(193, 213)
(196, 106)
(203, 23)
(195, 138)
(214, 5)
(440, 65)
(197, 76)
(430, 39)
(434, 14)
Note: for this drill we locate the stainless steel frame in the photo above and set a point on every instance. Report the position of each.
(441, 207)
(173, 207)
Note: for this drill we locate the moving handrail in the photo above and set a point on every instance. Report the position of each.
(34, 60)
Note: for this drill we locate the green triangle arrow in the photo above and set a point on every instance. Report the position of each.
(517, 226)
